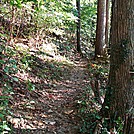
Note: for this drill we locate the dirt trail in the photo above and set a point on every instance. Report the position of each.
(52, 110)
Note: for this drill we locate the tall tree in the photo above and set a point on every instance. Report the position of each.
(100, 29)
(107, 23)
(120, 94)
(78, 26)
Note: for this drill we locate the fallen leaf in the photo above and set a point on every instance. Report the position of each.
(50, 111)
(40, 123)
(68, 111)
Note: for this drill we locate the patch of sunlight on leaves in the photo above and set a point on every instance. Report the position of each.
(21, 47)
(4, 128)
(1, 108)
(49, 48)
(57, 31)
(63, 60)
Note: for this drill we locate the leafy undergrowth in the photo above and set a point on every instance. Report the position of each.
(41, 90)
(46, 87)
(44, 91)
(92, 98)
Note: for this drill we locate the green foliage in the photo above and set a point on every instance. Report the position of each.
(88, 24)
(88, 113)
(44, 20)
(89, 123)
(118, 126)
(30, 85)
(4, 128)
(17, 3)
(4, 99)
(26, 61)
(99, 72)
(97, 69)
(8, 67)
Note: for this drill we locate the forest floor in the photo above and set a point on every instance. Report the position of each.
(50, 104)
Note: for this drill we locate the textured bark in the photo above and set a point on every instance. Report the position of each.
(120, 94)
(78, 26)
(100, 29)
(107, 23)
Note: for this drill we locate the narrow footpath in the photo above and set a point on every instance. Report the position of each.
(53, 108)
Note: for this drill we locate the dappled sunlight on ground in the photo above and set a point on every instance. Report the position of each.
(49, 88)
(51, 106)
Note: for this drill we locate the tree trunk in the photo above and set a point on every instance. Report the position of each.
(120, 94)
(100, 29)
(78, 26)
(107, 23)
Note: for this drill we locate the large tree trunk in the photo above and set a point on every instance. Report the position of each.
(120, 94)
(100, 29)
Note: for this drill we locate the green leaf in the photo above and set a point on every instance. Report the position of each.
(5, 126)
(2, 61)
(106, 107)
(98, 117)
(12, 61)
(6, 69)
(1, 115)
(15, 79)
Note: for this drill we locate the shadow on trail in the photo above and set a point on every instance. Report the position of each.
(44, 99)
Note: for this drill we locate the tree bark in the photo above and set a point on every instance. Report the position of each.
(78, 26)
(107, 23)
(120, 93)
(100, 29)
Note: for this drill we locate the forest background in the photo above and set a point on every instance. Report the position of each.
(40, 42)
